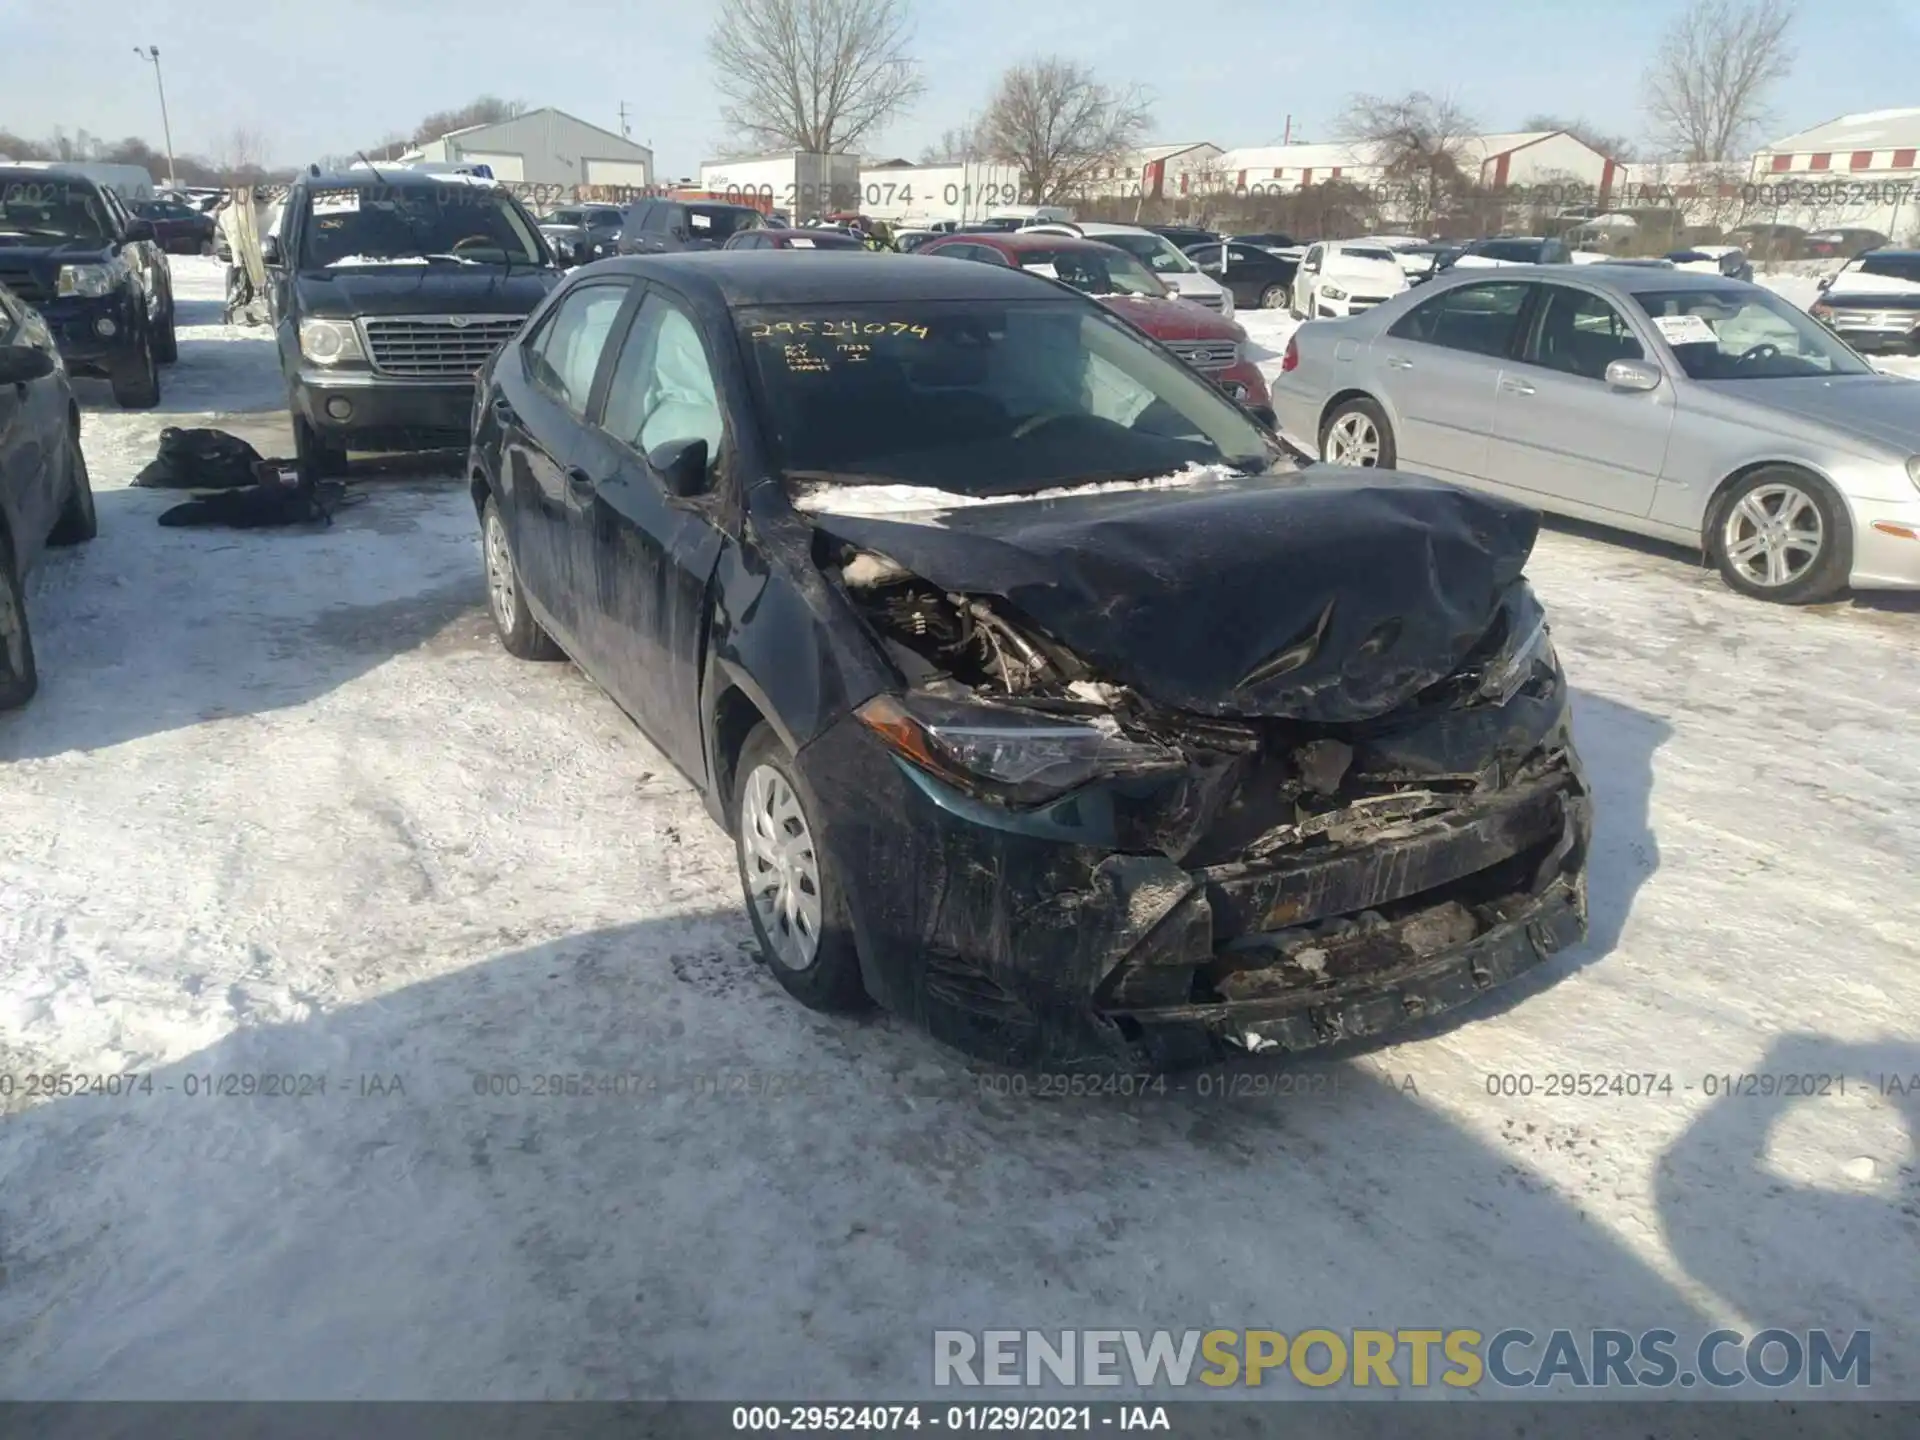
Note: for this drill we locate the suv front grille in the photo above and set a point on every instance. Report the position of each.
(1213, 300)
(1207, 355)
(439, 347)
(26, 289)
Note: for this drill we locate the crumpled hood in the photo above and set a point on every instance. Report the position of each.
(1328, 594)
(431, 289)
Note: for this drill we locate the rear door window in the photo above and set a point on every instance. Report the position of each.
(1478, 319)
(1579, 333)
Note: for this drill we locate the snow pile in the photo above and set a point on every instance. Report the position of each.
(896, 502)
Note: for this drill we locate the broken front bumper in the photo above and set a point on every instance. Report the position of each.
(1025, 939)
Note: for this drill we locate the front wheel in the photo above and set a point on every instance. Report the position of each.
(1273, 297)
(794, 900)
(1781, 535)
(1357, 433)
(312, 457)
(166, 343)
(520, 634)
(18, 679)
(136, 382)
(77, 523)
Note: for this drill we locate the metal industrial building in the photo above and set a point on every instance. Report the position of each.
(544, 147)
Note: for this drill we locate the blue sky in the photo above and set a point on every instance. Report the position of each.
(322, 77)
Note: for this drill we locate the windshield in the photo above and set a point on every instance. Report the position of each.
(982, 399)
(564, 217)
(1746, 335)
(1094, 272)
(1524, 251)
(1893, 267)
(1156, 252)
(717, 222)
(52, 210)
(378, 224)
(1351, 252)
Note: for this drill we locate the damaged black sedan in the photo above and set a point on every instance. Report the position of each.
(1051, 701)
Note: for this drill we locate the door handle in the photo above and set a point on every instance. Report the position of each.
(1516, 387)
(1399, 362)
(580, 481)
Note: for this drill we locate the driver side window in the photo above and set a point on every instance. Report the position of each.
(565, 355)
(663, 387)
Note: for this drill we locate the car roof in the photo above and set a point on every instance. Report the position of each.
(51, 172)
(1020, 241)
(737, 278)
(363, 176)
(1896, 252)
(1104, 227)
(1629, 278)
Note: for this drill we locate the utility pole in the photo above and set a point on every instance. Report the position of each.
(151, 53)
(626, 130)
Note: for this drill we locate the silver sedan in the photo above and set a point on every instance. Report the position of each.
(1686, 407)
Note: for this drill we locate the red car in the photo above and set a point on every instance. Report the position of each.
(1214, 346)
(809, 239)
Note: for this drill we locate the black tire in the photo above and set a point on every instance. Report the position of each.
(1386, 457)
(1822, 579)
(77, 523)
(18, 678)
(1275, 296)
(314, 459)
(166, 344)
(830, 979)
(136, 382)
(520, 634)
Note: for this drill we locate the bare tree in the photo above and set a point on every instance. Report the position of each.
(1708, 86)
(242, 156)
(812, 75)
(954, 145)
(1417, 139)
(482, 110)
(1060, 124)
(1614, 147)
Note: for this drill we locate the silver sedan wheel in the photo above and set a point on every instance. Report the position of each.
(783, 868)
(1353, 439)
(501, 588)
(1773, 535)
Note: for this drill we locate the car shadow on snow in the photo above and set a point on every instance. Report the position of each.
(147, 630)
(221, 368)
(709, 1171)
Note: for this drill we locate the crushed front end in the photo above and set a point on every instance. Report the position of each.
(1047, 868)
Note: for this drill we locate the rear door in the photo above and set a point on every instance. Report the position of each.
(544, 388)
(646, 555)
(1559, 430)
(1440, 365)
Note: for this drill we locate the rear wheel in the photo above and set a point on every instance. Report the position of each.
(520, 634)
(794, 900)
(1356, 433)
(18, 679)
(1782, 535)
(77, 522)
(136, 380)
(1273, 297)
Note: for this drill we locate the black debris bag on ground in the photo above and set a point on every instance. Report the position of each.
(201, 460)
(276, 500)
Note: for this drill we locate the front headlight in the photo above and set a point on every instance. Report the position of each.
(1013, 756)
(1913, 471)
(1226, 302)
(328, 342)
(1517, 663)
(90, 279)
(1332, 292)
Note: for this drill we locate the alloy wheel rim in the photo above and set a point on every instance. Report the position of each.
(1353, 440)
(1773, 535)
(500, 584)
(782, 867)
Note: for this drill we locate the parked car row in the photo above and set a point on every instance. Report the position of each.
(1688, 407)
(1873, 303)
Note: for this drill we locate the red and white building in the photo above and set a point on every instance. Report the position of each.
(1857, 170)
(1189, 167)
(1512, 159)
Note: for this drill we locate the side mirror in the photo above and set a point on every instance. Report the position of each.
(20, 364)
(681, 466)
(1633, 375)
(270, 251)
(138, 230)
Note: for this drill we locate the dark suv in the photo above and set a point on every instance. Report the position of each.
(656, 225)
(71, 249)
(390, 290)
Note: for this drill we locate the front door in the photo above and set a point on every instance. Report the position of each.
(1440, 365)
(541, 407)
(33, 420)
(644, 555)
(1560, 430)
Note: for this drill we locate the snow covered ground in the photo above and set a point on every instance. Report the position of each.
(284, 808)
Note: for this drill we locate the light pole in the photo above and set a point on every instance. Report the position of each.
(151, 53)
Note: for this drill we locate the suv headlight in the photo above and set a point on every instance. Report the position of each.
(1013, 756)
(91, 279)
(328, 342)
(1332, 292)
